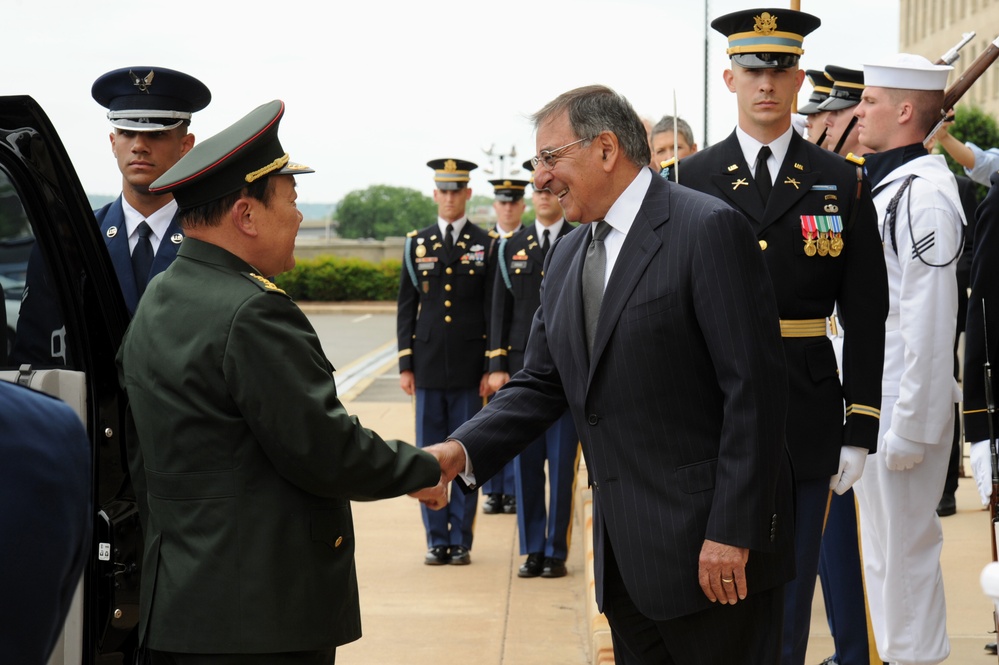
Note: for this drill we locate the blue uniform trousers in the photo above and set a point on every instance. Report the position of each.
(842, 576)
(438, 413)
(503, 482)
(811, 497)
(540, 532)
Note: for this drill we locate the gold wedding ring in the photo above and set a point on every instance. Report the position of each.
(726, 580)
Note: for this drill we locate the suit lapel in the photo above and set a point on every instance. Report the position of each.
(121, 259)
(735, 181)
(640, 245)
(794, 179)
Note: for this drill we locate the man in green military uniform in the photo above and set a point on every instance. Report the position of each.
(245, 461)
(441, 325)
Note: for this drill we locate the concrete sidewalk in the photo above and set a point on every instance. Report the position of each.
(415, 614)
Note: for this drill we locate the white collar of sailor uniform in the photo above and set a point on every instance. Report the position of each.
(751, 148)
(159, 223)
(457, 225)
(553, 229)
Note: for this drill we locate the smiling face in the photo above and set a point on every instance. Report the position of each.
(576, 176)
(765, 97)
(277, 224)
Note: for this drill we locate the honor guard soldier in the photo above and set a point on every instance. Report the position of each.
(150, 109)
(500, 490)
(544, 532)
(443, 307)
(817, 229)
(814, 117)
(840, 565)
(922, 225)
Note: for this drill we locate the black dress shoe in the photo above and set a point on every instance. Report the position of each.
(533, 566)
(459, 556)
(554, 568)
(947, 505)
(493, 505)
(509, 504)
(436, 556)
(990, 647)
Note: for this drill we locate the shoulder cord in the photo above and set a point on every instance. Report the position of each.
(890, 215)
(408, 256)
(504, 271)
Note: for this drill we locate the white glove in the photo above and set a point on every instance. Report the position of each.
(902, 454)
(851, 466)
(981, 468)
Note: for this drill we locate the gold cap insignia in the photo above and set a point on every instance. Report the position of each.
(765, 23)
(450, 166)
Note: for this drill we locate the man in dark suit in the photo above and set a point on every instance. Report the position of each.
(45, 488)
(679, 405)
(817, 229)
(544, 532)
(245, 461)
(441, 326)
(150, 109)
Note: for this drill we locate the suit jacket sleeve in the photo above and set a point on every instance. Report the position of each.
(982, 302)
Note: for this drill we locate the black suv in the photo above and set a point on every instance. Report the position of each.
(45, 220)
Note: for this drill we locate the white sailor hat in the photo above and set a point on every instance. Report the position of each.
(906, 71)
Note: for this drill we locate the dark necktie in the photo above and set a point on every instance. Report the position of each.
(448, 238)
(142, 258)
(763, 181)
(544, 243)
(593, 280)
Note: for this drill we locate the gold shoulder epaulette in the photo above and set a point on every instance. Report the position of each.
(493, 234)
(412, 233)
(668, 163)
(264, 283)
(859, 161)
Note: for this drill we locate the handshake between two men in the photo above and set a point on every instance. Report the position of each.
(451, 457)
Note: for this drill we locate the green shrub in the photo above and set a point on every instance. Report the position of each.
(333, 279)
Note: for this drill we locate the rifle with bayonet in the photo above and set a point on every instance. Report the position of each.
(956, 91)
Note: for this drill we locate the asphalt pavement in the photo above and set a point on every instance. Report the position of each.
(417, 614)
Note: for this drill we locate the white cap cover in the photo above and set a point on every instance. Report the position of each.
(907, 72)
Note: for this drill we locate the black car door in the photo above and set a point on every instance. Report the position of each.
(63, 340)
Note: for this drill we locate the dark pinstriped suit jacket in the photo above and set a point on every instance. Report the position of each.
(681, 410)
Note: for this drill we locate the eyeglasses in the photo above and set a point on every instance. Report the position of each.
(549, 157)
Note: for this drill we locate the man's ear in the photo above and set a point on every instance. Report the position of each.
(610, 149)
(729, 78)
(241, 216)
(906, 112)
(186, 144)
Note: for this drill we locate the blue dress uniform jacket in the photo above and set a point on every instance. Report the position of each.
(682, 443)
(45, 489)
(443, 308)
(245, 465)
(516, 296)
(112, 216)
(815, 182)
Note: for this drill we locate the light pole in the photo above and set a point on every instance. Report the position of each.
(501, 158)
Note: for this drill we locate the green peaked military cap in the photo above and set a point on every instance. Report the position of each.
(229, 161)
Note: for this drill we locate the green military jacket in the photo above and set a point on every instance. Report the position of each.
(244, 465)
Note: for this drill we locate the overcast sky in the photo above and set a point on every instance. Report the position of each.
(376, 88)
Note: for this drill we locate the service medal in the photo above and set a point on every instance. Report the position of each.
(808, 233)
(823, 245)
(421, 250)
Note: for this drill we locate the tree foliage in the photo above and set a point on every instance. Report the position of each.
(382, 210)
(972, 124)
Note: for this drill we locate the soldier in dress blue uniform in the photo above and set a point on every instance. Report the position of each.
(544, 533)
(817, 229)
(500, 490)
(150, 109)
(443, 308)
